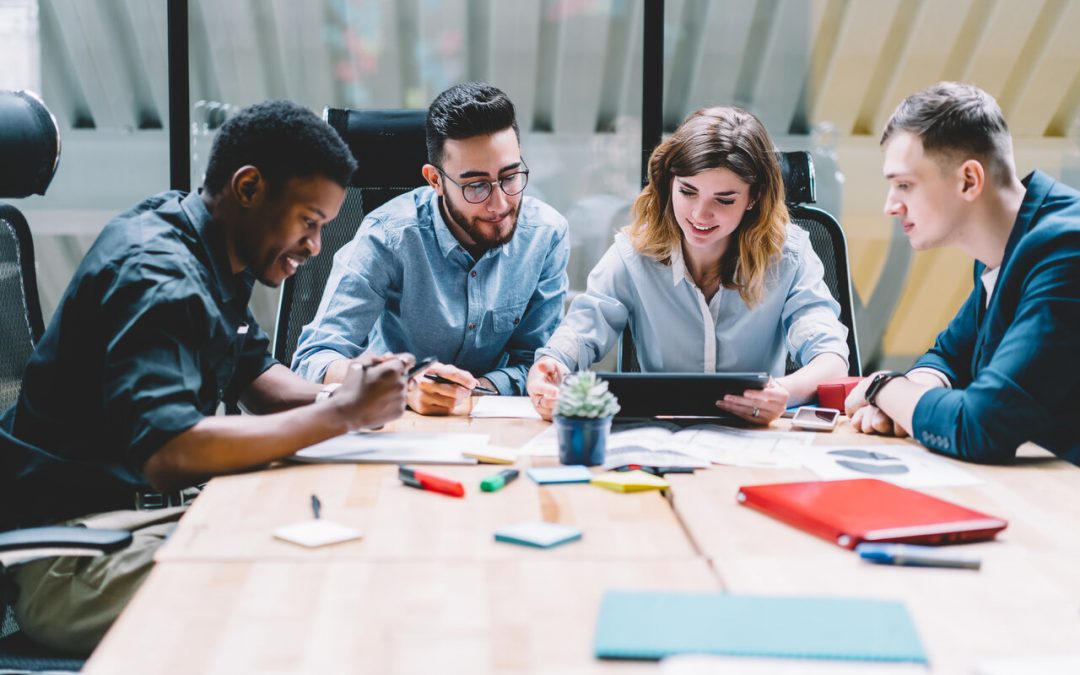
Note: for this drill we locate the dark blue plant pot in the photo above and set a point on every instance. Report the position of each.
(582, 440)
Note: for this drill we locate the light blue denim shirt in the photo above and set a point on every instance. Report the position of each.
(404, 283)
(676, 330)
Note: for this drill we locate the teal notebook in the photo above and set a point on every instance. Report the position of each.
(645, 625)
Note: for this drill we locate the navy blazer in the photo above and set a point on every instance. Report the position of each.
(1013, 365)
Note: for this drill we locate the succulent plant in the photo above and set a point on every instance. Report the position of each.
(583, 394)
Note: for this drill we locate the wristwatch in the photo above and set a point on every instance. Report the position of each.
(878, 383)
(327, 391)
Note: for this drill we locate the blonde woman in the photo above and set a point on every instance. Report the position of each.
(710, 276)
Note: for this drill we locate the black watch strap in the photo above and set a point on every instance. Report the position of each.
(878, 383)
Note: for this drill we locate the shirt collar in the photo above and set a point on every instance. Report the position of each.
(447, 241)
(1038, 186)
(678, 265)
(213, 240)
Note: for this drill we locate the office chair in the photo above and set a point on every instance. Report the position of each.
(391, 149)
(29, 155)
(827, 239)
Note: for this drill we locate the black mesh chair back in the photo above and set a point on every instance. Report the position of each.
(828, 241)
(20, 312)
(29, 155)
(391, 149)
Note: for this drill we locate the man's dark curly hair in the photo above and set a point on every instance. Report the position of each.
(283, 140)
(467, 110)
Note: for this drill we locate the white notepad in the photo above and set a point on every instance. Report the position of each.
(517, 407)
(313, 533)
(538, 533)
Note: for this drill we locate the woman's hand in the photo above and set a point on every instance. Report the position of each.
(757, 406)
(543, 384)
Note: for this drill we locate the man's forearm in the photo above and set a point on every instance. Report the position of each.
(278, 389)
(898, 399)
(232, 443)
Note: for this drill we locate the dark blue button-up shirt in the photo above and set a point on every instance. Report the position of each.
(151, 335)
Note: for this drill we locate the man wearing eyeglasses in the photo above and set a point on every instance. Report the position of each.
(466, 269)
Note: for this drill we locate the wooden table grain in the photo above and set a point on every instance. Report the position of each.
(428, 589)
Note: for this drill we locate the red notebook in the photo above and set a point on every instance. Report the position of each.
(849, 512)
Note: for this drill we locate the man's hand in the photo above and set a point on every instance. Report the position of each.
(757, 406)
(866, 418)
(373, 395)
(434, 398)
(543, 382)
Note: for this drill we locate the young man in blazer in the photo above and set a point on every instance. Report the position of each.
(1004, 371)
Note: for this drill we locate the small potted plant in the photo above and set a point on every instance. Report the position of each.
(583, 414)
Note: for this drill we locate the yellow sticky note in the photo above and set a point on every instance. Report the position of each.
(629, 481)
(493, 454)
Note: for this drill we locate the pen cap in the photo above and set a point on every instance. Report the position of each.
(492, 483)
(496, 482)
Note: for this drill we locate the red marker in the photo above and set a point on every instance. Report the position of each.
(426, 481)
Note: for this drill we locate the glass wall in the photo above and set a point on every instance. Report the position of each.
(572, 69)
(100, 67)
(824, 75)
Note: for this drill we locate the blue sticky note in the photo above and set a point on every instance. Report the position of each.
(539, 534)
(560, 474)
(652, 625)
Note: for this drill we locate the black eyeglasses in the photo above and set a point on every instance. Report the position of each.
(477, 192)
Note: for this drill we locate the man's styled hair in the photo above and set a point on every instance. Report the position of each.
(283, 140)
(957, 122)
(467, 110)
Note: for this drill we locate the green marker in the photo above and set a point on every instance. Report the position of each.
(496, 482)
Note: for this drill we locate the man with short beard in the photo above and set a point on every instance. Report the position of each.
(467, 269)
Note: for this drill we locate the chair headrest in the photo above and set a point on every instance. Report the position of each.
(389, 145)
(798, 170)
(29, 145)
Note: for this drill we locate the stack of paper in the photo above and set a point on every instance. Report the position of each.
(387, 447)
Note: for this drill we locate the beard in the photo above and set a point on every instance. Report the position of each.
(474, 227)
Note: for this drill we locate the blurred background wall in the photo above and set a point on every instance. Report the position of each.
(824, 75)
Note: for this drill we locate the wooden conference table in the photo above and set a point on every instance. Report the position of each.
(429, 590)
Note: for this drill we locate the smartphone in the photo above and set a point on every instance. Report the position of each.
(420, 365)
(815, 419)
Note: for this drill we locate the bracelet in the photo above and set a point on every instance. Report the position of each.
(878, 383)
(327, 391)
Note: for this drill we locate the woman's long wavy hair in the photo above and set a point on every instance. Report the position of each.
(717, 138)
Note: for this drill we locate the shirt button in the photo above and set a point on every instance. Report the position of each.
(472, 326)
(473, 274)
(517, 320)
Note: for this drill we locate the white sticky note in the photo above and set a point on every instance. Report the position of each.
(538, 533)
(312, 533)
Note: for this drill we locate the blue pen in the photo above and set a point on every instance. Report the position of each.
(916, 556)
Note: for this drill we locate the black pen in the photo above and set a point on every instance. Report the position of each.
(484, 391)
(316, 506)
(419, 365)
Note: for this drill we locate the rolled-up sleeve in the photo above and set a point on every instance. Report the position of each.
(151, 372)
(811, 316)
(596, 318)
(354, 297)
